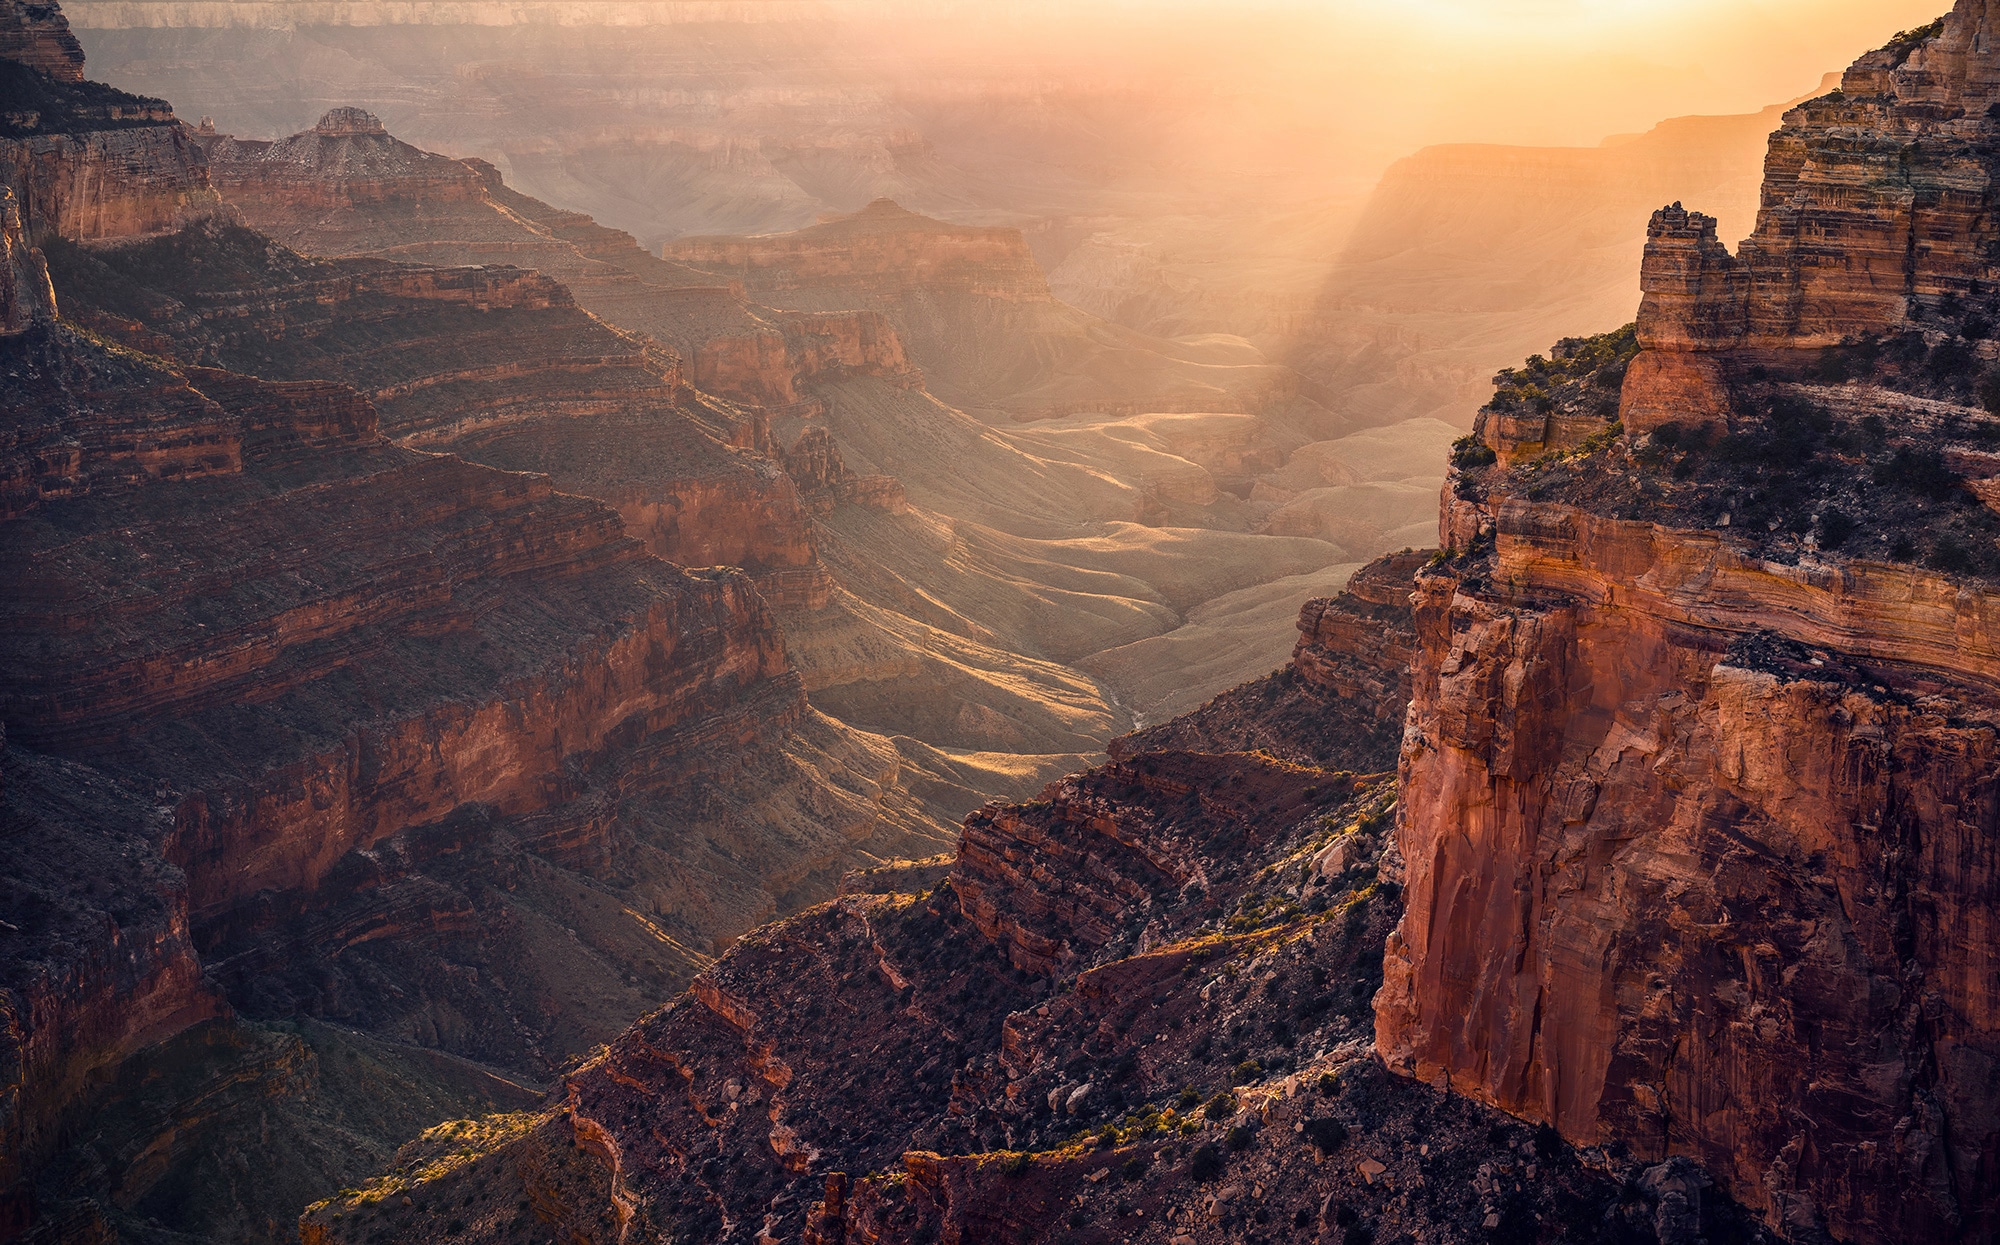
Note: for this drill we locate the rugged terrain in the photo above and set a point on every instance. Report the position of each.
(1694, 810)
(337, 768)
(1134, 1009)
(950, 570)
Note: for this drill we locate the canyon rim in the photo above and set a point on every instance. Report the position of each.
(633, 624)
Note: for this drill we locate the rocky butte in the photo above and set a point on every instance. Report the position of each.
(1698, 784)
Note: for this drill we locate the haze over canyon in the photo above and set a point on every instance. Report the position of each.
(769, 621)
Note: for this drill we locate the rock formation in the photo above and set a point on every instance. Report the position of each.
(25, 294)
(1134, 1008)
(38, 37)
(973, 309)
(303, 722)
(84, 160)
(1694, 784)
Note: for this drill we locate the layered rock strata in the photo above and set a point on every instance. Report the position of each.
(312, 723)
(38, 36)
(1151, 1039)
(1694, 784)
(1875, 214)
(82, 159)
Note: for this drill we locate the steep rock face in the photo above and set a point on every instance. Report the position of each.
(84, 160)
(25, 294)
(1741, 805)
(39, 37)
(1876, 213)
(772, 366)
(1695, 780)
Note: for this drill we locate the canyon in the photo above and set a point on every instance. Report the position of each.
(515, 734)
(1687, 854)
(343, 762)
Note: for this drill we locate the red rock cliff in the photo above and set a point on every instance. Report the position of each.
(1874, 214)
(1697, 783)
(85, 160)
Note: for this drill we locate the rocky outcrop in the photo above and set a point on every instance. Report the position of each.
(1873, 218)
(825, 482)
(85, 161)
(26, 298)
(346, 161)
(1694, 782)
(38, 36)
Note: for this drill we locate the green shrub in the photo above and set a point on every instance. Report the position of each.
(1918, 471)
(1835, 526)
(1469, 453)
(1206, 1163)
(1326, 1135)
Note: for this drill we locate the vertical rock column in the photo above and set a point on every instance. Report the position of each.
(1695, 305)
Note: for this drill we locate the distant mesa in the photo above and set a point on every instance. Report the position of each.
(347, 122)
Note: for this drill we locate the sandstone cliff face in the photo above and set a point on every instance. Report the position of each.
(25, 294)
(1875, 214)
(1694, 788)
(1698, 880)
(39, 37)
(84, 160)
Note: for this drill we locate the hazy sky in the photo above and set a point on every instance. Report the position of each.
(1570, 71)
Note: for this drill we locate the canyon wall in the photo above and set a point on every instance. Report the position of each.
(1132, 1008)
(1697, 815)
(82, 159)
(303, 722)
